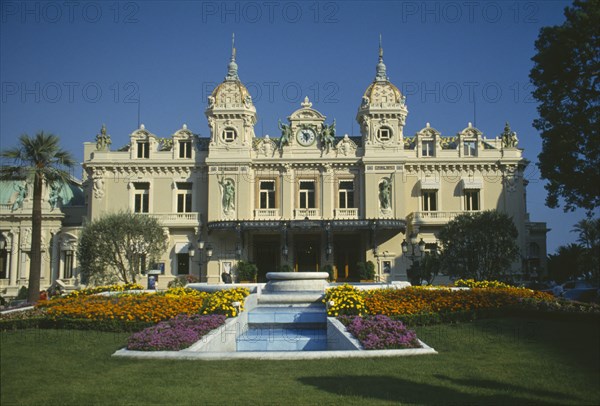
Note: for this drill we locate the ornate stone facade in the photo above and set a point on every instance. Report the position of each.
(309, 197)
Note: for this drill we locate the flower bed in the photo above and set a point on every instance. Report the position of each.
(380, 332)
(107, 288)
(415, 300)
(145, 307)
(344, 300)
(221, 302)
(174, 334)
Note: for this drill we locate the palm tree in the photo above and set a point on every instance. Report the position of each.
(589, 232)
(37, 159)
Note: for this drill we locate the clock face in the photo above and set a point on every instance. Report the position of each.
(306, 136)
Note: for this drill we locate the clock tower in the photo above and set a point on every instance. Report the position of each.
(382, 115)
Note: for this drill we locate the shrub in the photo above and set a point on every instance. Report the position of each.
(344, 300)
(23, 293)
(175, 334)
(181, 281)
(286, 268)
(246, 271)
(366, 270)
(329, 270)
(380, 332)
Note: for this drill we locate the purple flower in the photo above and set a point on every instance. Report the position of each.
(175, 334)
(380, 332)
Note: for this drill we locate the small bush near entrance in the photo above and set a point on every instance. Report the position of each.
(366, 270)
(246, 271)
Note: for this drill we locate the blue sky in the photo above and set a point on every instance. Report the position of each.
(69, 67)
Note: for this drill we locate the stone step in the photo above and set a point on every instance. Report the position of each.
(268, 314)
(283, 339)
(301, 297)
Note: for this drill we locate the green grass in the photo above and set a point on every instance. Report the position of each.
(500, 361)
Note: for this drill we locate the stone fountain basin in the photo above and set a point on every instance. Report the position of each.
(296, 281)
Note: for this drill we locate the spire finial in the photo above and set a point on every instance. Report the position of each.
(232, 67)
(233, 46)
(381, 75)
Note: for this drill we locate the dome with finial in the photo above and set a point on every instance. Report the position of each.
(231, 92)
(381, 91)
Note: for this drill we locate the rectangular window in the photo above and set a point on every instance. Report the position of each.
(141, 197)
(4, 264)
(68, 264)
(346, 194)
(185, 149)
(143, 149)
(429, 200)
(472, 200)
(267, 194)
(470, 148)
(184, 197)
(427, 148)
(307, 194)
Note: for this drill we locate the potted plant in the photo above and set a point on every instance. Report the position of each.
(286, 268)
(366, 271)
(246, 272)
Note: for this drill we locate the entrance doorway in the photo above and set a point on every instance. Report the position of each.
(307, 253)
(347, 252)
(266, 255)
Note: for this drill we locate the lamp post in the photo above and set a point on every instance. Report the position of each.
(200, 244)
(413, 250)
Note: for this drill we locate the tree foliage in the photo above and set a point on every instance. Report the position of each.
(589, 239)
(567, 86)
(116, 246)
(481, 245)
(564, 265)
(38, 160)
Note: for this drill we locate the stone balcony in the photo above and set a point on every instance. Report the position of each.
(301, 214)
(346, 213)
(266, 213)
(177, 219)
(434, 217)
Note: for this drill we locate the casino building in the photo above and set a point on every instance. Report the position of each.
(310, 197)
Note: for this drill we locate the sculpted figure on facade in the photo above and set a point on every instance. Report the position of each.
(227, 195)
(385, 193)
(509, 138)
(98, 187)
(266, 146)
(21, 194)
(103, 140)
(286, 134)
(327, 136)
(54, 197)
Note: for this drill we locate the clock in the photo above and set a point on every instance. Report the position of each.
(306, 136)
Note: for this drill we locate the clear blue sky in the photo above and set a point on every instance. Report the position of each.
(68, 67)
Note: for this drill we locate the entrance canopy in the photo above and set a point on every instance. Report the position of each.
(266, 225)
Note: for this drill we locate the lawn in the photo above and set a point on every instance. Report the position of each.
(496, 361)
